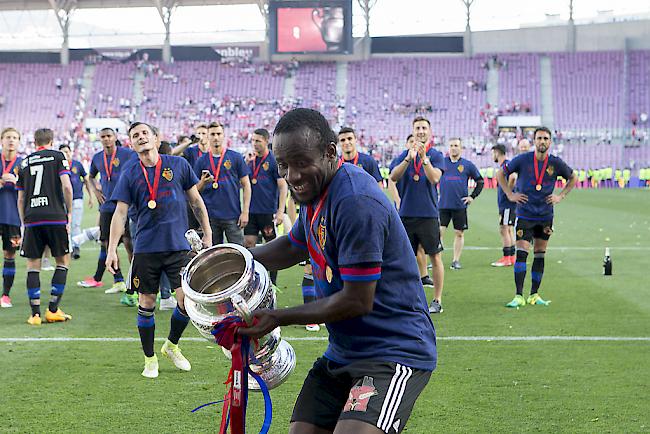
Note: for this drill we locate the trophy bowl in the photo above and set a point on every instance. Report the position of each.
(225, 280)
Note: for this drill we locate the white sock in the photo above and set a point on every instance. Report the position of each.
(90, 234)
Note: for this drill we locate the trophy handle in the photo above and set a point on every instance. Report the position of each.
(242, 308)
(316, 13)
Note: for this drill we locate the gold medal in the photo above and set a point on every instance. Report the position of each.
(416, 178)
(538, 187)
(215, 185)
(254, 181)
(151, 204)
(329, 274)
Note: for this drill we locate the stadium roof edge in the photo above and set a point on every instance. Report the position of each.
(20, 5)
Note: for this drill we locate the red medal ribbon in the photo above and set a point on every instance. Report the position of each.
(216, 170)
(538, 178)
(7, 168)
(109, 166)
(316, 254)
(153, 191)
(256, 169)
(416, 166)
(355, 160)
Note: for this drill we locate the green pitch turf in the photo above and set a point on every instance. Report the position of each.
(485, 385)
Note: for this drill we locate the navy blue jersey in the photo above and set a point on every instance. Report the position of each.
(39, 177)
(264, 198)
(367, 163)
(122, 157)
(453, 184)
(192, 154)
(502, 200)
(161, 229)
(536, 208)
(223, 203)
(77, 177)
(357, 235)
(419, 198)
(9, 195)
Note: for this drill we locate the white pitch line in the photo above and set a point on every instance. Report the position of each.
(633, 248)
(583, 248)
(323, 338)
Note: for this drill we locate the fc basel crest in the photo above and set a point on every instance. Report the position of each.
(168, 174)
(116, 162)
(265, 166)
(461, 168)
(227, 164)
(74, 170)
(360, 395)
(550, 170)
(322, 233)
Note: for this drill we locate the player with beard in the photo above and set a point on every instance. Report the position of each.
(416, 172)
(9, 216)
(109, 164)
(421, 257)
(382, 346)
(157, 186)
(537, 172)
(45, 207)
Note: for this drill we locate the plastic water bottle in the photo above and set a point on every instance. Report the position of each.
(195, 240)
(607, 263)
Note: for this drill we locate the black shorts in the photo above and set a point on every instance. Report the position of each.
(261, 223)
(105, 227)
(379, 393)
(147, 268)
(424, 231)
(458, 216)
(10, 237)
(529, 229)
(507, 217)
(37, 237)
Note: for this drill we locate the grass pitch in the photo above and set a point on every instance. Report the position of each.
(483, 385)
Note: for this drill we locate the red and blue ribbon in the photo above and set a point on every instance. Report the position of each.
(236, 399)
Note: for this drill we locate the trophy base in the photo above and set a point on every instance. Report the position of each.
(275, 370)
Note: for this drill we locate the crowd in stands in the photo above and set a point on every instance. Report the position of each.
(382, 95)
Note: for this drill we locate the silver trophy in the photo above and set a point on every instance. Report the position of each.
(224, 280)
